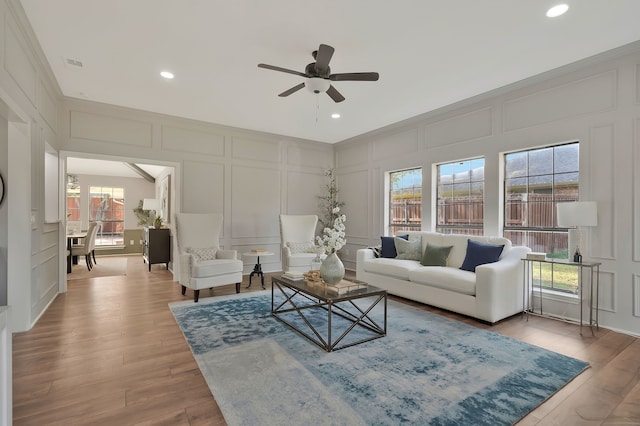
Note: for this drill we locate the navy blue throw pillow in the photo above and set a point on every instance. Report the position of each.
(480, 254)
(389, 247)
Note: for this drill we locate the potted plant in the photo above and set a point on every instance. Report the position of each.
(144, 216)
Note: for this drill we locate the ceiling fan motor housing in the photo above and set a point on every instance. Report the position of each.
(312, 71)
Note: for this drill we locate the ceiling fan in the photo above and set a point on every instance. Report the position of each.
(319, 77)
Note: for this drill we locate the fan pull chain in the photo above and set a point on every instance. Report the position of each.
(317, 106)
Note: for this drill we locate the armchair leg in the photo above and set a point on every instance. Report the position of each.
(238, 287)
(87, 260)
(196, 294)
(93, 254)
(184, 290)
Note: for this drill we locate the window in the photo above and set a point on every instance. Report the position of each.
(405, 200)
(73, 198)
(535, 181)
(460, 197)
(107, 206)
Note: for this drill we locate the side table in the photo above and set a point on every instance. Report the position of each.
(257, 268)
(593, 268)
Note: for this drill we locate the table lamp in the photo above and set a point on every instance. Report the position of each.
(577, 214)
(152, 204)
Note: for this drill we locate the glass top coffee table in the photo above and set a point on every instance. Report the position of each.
(331, 318)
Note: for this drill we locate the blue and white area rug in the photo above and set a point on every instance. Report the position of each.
(428, 370)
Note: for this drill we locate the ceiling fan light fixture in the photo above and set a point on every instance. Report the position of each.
(317, 84)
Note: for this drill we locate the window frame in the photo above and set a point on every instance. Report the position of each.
(110, 223)
(468, 227)
(409, 223)
(557, 234)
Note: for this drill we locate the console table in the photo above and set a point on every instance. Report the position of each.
(156, 246)
(591, 268)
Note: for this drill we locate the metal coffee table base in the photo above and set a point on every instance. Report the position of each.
(333, 308)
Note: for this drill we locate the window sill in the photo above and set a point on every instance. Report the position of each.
(100, 248)
(558, 296)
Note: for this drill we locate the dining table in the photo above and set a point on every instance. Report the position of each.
(73, 238)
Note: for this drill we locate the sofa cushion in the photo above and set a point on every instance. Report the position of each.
(408, 249)
(209, 268)
(435, 255)
(480, 254)
(389, 247)
(377, 250)
(453, 279)
(396, 268)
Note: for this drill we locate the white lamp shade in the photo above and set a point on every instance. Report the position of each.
(151, 204)
(317, 84)
(579, 213)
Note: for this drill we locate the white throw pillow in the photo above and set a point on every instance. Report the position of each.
(303, 247)
(207, 253)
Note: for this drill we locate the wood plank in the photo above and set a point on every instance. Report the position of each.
(110, 352)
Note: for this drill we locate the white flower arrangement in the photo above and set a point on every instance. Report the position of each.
(333, 239)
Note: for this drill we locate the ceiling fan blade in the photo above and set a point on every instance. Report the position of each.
(274, 68)
(292, 90)
(325, 52)
(334, 94)
(355, 76)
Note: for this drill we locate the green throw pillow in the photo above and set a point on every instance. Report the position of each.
(409, 250)
(435, 255)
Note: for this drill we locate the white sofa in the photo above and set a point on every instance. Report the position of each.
(493, 292)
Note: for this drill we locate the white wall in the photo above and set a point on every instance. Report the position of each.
(4, 209)
(596, 102)
(29, 97)
(250, 177)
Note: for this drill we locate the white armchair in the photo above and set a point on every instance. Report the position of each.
(298, 245)
(202, 263)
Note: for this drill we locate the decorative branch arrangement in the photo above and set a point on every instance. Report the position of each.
(334, 238)
(329, 201)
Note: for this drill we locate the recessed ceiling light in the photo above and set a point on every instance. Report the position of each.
(166, 74)
(335, 115)
(557, 10)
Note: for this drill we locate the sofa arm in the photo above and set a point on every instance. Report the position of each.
(227, 254)
(362, 256)
(499, 285)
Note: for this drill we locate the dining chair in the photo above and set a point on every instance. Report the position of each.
(85, 249)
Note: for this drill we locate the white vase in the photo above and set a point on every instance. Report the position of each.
(332, 269)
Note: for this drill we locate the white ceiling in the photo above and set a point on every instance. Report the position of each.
(429, 53)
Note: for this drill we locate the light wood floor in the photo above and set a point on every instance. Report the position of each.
(110, 352)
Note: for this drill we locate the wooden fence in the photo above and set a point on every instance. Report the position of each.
(522, 210)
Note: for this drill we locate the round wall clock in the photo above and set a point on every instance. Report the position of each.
(1, 189)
